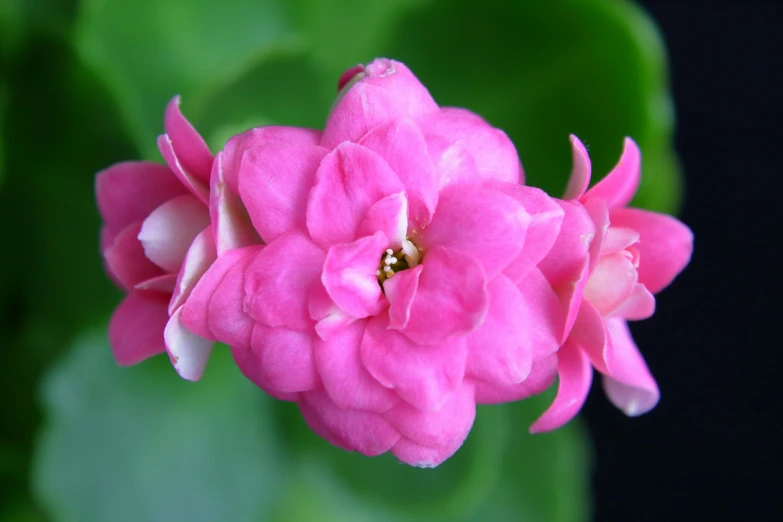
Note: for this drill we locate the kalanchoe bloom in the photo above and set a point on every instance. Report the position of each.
(634, 254)
(156, 242)
(398, 278)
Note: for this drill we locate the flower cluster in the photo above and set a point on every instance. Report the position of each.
(387, 273)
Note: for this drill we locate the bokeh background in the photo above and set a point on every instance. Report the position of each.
(83, 84)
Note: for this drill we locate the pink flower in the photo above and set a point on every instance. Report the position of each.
(398, 282)
(607, 280)
(156, 242)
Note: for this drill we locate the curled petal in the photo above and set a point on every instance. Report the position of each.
(575, 374)
(611, 283)
(494, 153)
(126, 261)
(195, 184)
(365, 432)
(350, 180)
(188, 352)
(665, 245)
(589, 334)
(390, 216)
(401, 290)
(598, 212)
(329, 317)
(274, 182)
(541, 377)
(170, 230)
(164, 283)
(231, 224)
(639, 305)
(580, 171)
(629, 386)
(618, 188)
(402, 146)
(618, 238)
(136, 327)
(485, 224)
(440, 308)
(189, 146)
(424, 376)
(344, 377)
(280, 280)
(199, 258)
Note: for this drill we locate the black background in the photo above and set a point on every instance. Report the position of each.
(711, 450)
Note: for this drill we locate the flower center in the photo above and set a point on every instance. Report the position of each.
(392, 262)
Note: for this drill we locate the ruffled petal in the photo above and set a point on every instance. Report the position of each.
(187, 351)
(580, 171)
(401, 144)
(126, 261)
(136, 327)
(494, 153)
(280, 279)
(541, 377)
(284, 358)
(274, 183)
(546, 218)
(127, 192)
(344, 377)
(575, 374)
(611, 283)
(401, 290)
(195, 184)
(199, 258)
(639, 305)
(190, 147)
(353, 430)
(618, 238)
(349, 275)
(589, 334)
(248, 364)
(451, 297)
(665, 245)
(390, 216)
(231, 224)
(485, 224)
(424, 376)
(329, 317)
(618, 188)
(170, 229)
(350, 180)
(429, 438)
(629, 386)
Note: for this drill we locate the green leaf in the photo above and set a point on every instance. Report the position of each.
(149, 50)
(543, 70)
(131, 444)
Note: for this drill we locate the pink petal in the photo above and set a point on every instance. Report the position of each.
(546, 218)
(349, 275)
(402, 145)
(259, 137)
(665, 245)
(365, 432)
(429, 438)
(248, 364)
(274, 182)
(390, 216)
(618, 188)
(589, 334)
(484, 224)
(494, 153)
(451, 298)
(400, 290)
(500, 350)
(280, 279)
(126, 261)
(284, 358)
(136, 328)
(230, 222)
(199, 258)
(541, 377)
(164, 283)
(194, 183)
(566, 266)
(188, 352)
(598, 212)
(170, 230)
(215, 308)
(350, 74)
(329, 317)
(344, 377)
(639, 305)
(387, 91)
(127, 192)
(618, 238)
(580, 172)
(453, 163)
(575, 374)
(189, 146)
(350, 180)
(630, 386)
(424, 376)
(611, 283)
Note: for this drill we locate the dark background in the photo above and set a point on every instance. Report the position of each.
(711, 449)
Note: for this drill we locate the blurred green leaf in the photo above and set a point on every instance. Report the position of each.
(132, 444)
(543, 70)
